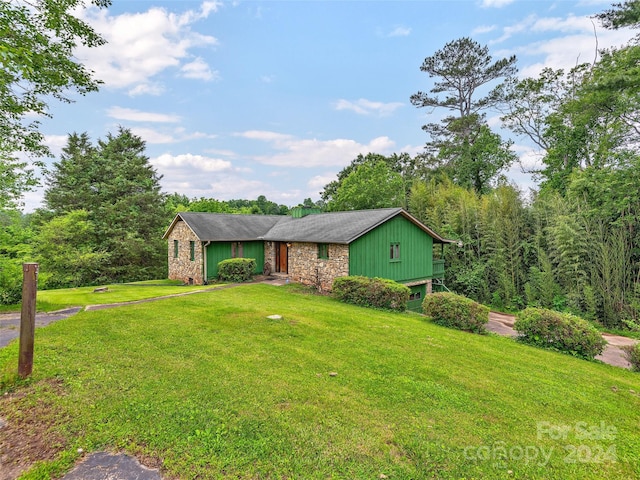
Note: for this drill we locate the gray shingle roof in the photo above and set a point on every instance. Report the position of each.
(336, 227)
(222, 227)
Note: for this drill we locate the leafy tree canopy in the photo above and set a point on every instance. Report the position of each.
(37, 42)
(372, 184)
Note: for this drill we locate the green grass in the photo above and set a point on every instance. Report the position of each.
(210, 387)
(51, 300)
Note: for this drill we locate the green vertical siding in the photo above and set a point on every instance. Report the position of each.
(218, 251)
(254, 250)
(369, 255)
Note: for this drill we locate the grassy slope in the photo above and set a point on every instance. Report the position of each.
(214, 389)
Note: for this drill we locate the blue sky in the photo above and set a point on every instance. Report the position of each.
(248, 98)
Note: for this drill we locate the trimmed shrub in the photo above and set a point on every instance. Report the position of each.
(236, 269)
(371, 292)
(632, 354)
(559, 331)
(455, 311)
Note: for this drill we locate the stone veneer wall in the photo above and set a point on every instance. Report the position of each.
(305, 267)
(183, 268)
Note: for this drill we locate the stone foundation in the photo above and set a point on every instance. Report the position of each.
(305, 267)
(182, 267)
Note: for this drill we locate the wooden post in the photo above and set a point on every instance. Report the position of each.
(28, 318)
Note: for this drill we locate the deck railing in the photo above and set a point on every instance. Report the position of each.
(438, 268)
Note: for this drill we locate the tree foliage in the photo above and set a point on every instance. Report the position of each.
(37, 44)
(371, 185)
(117, 187)
(625, 14)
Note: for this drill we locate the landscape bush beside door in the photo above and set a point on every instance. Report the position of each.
(455, 311)
(371, 292)
(236, 269)
(559, 331)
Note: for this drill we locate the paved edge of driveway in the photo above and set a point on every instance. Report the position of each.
(108, 466)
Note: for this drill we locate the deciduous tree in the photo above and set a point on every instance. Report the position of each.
(37, 43)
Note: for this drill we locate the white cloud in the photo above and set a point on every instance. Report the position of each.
(400, 31)
(483, 29)
(121, 113)
(200, 70)
(142, 45)
(56, 142)
(295, 152)
(191, 162)
(154, 137)
(207, 7)
(265, 136)
(320, 181)
(238, 188)
(495, 3)
(368, 107)
(582, 49)
(565, 42)
(154, 89)
(224, 153)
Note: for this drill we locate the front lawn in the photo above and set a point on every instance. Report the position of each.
(51, 300)
(206, 386)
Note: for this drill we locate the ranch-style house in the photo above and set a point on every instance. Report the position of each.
(310, 247)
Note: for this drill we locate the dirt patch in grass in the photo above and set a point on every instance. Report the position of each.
(28, 432)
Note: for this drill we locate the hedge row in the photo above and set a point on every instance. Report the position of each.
(371, 292)
(559, 331)
(455, 311)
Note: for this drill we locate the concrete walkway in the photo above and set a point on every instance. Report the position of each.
(502, 324)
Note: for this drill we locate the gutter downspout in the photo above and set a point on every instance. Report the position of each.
(204, 262)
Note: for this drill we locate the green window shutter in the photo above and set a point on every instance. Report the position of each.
(323, 250)
(175, 249)
(237, 250)
(192, 250)
(394, 252)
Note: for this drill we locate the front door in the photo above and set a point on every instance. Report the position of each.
(282, 257)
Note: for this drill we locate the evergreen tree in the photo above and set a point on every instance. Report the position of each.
(120, 191)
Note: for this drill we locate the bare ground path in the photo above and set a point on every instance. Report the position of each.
(502, 324)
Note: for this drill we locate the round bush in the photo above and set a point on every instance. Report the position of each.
(236, 269)
(455, 311)
(559, 331)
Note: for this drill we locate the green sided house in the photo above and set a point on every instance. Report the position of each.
(309, 247)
